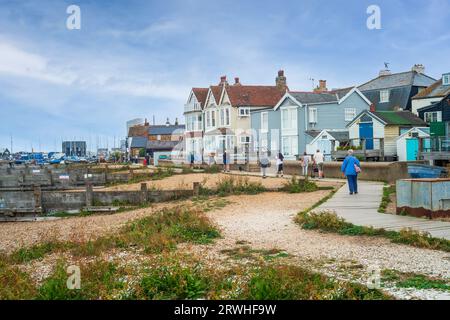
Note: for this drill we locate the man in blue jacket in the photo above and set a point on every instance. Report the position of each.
(351, 167)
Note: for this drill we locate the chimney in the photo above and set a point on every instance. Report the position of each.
(322, 86)
(167, 122)
(372, 107)
(419, 68)
(280, 81)
(223, 81)
(384, 72)
(145, 122)
(236, 82)
(176, 121)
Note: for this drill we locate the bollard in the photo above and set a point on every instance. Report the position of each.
(37, 193)
(196, 188)
(143, 193)
(89, 194)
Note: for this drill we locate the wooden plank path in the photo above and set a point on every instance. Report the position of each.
(362, 210)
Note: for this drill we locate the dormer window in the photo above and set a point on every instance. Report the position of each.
(384, 96)
(446, 79)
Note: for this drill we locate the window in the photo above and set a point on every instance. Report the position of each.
(350, 114)
(244, 112)
(244, 139)
(312, 115)
(227, 116)
(446, 79)
(213, 118)
(435, 116)
(289, 145)
(384, 96)
(289, 120)
(264, 122)
(222, 117)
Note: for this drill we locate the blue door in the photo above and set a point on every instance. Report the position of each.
(412, 146)
(366, 132)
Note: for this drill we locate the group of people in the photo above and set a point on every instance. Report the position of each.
(350, 168)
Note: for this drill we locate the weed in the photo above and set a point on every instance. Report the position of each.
(414, 280)
(386, 199)
(296, 185)
(329, 222)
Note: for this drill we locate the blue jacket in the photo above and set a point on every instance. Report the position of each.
(348, 166)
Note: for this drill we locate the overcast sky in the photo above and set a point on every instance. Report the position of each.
(140, 58)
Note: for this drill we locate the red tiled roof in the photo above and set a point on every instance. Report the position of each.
(254, 95)
(201, 94)
(216, 91)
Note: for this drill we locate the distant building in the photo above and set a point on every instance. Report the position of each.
(393, 91)
(155, 138)
(4, 153)
(74, 148)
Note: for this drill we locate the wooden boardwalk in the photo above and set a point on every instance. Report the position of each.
(362, 209)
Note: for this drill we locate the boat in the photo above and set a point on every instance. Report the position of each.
(426, 171)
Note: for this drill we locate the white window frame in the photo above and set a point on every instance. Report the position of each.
(245, 139)
(264, 126)
(244, 112)
(429, 116)
(312, 115)
(292, 143)
(222, 117)
(446, 79)
(384, 95)
(349, 114)
(290, 127)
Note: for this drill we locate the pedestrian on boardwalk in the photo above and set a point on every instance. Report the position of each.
(192, 160)
(350, 168)
(264, 163)
(318, 161)
(280, 159)
(305, 160)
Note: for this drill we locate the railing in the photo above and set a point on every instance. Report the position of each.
(360, 149)
(192, 107)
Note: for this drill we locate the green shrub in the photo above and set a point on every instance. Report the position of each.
(386, 199)
(14, 284)
(238, 185)
(330, 222)
(296, 185)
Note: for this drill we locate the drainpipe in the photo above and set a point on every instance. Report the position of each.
(306, 123)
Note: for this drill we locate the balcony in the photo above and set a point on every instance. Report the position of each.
(436, 148)
(191, 107)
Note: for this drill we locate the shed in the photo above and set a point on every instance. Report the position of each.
(326, 140)
(380, 129)
(408, 143)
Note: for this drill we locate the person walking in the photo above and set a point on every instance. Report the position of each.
(280, 159)
(226, 164)
(318, 161)
(305, 160)
(264, 163)
(351, 167)
(192, 160)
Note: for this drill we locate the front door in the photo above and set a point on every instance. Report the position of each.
(366, 133)
(412, 147)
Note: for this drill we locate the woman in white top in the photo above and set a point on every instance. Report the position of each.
(306, 159)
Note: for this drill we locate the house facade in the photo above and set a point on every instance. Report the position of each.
(433, 95)
(379, 130)
(193, 114)
(394, 91)
(227, 124)
(299, 116)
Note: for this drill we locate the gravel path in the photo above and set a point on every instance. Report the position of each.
(266, 222)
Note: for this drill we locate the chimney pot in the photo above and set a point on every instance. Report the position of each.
(280, 81)
(372, 107)
(236, 81)
(419, 68)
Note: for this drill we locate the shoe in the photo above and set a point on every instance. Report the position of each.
(356, 192)
(351, 193)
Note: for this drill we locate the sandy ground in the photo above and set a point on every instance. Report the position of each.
(185, 181)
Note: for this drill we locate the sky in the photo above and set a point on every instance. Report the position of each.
(139, 59)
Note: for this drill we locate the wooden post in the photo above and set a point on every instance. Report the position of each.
(196, 188)
(143, 193)
(89, 194)
(382, 148)
(37, 193)
(363, 142)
